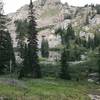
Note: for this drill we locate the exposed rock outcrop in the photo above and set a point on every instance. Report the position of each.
(52, 14)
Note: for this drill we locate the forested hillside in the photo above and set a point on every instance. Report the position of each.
(50, 51)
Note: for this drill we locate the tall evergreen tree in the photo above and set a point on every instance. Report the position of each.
(99, 63)
(64, 74)
(87, 20)
(22, 33)
(2, 18)
(61, 32)
(7, 58)
(96, 40)
(32, 46)
(24, 69)
(33, 66)
(90, 43)
(44, 48)
(66, 34)
(70, 34)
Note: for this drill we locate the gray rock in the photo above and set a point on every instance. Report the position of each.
(52, 13)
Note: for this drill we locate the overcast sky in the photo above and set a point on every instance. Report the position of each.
(13, 5)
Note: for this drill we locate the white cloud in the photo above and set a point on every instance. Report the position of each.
(13, 5)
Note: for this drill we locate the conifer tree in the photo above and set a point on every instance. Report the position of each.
(99, 63)
(22, 33)
(24, 69)
(44, 48)
(32, 45)
(33, 67)
(6, 49)
(96, 40)
(87, 20)
(70, 34)
(64, 74)
(61, 32)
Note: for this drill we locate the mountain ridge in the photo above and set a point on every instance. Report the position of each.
(56, 14)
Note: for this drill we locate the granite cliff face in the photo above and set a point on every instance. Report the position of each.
(52, 14)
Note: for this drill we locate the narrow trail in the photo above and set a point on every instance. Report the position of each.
(14, 82)
(94, 97)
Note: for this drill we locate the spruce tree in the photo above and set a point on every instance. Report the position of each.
(96, 40)
(70, 34)
(24, 69)
(32, 45)
(61, 32)
(33, 67)
(64, 74)
(22, 33)
(87, 20)
(2, 28)
(98, 63)
(6, 48)
(7, 57)
(44, 48)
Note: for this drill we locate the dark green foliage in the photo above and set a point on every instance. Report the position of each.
(44, 48)
(32, 46)
(61, 32)
(87, 20)
(86, 5)
(67, 16)
(7, 58)
(90, 43)
(66, 35)
(11, 53)
(6, 53)
(21, 28)
(82, 42)
(64, 74)
(2, 22)
(70, 34)
(98, 63)
(24, 69)
(50, 70)
(70, 41)
(33, 67)
(22, 34)
(75, 53)
(96, 40)
(2, 17)
(97, 7)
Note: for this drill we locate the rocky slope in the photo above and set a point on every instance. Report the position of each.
(51, 14)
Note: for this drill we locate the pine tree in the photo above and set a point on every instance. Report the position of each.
(44, 48)
(96, 40)
(87, 20)
(2, 18)
(70, 34)
(6, 48)
(66, 35)
(24, 69)
(6, 52)
(11, 54)
(22, 33)
(64, 74)
(99, 63)
(90, 43)
(61, 32)
(33, 66)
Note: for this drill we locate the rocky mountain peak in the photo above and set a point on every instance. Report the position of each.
(52, 14)
(38, 3)
(53, 1)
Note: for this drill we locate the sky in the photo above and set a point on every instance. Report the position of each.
(12, 5)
